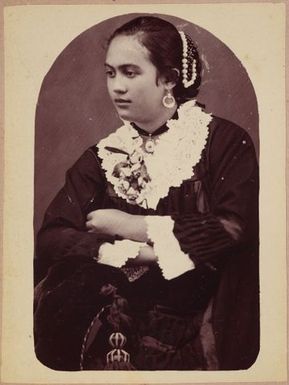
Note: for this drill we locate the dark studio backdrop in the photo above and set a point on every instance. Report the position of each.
(74, 110)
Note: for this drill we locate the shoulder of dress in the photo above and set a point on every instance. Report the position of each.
(93, 150)
(224, 133)
(220, 126)
(228, 137)
(91, 153)
(87, 163)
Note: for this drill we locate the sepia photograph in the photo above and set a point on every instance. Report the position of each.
(149, 252)
(146, 191)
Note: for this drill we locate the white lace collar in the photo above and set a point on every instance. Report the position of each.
(142, 178)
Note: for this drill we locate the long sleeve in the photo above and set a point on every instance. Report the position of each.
(63, 232)
(232, 218)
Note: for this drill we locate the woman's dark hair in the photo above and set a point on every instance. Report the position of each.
(165, 47)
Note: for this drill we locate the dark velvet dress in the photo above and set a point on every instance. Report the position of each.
(207, 318)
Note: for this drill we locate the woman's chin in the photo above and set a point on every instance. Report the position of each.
(125, 115)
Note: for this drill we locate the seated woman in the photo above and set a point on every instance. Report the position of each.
(152, 243)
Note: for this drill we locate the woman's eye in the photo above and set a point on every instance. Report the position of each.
(130, 74)
(109, 73)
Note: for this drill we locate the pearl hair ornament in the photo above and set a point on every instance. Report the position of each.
(188, 60)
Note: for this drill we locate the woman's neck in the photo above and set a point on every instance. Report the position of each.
(153, 125)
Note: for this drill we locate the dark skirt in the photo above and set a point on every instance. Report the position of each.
(90, 316)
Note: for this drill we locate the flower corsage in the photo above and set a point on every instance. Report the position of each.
(131, 175)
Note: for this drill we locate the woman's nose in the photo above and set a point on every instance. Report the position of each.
(119, 85)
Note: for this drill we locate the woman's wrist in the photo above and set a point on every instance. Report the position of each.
(135, 228)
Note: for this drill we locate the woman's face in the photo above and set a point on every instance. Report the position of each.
(132, 81)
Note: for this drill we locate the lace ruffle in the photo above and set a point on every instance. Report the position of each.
(118, 253)
(172, 263)
(176, 153)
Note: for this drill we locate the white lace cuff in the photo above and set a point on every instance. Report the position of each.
(117, 254)
(171, 259)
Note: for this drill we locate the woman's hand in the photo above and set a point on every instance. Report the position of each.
(107, 221)
(146, 256)
(115, 222)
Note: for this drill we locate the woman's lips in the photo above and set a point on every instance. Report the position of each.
(122, 102)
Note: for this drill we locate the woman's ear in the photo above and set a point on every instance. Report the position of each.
(171, 78)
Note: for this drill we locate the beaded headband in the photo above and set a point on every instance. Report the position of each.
(189, 63)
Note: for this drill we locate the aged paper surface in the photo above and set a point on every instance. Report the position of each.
(34, 36)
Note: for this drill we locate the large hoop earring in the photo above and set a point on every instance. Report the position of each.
(168, 100)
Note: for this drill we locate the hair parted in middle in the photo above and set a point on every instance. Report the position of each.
(166, 49)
